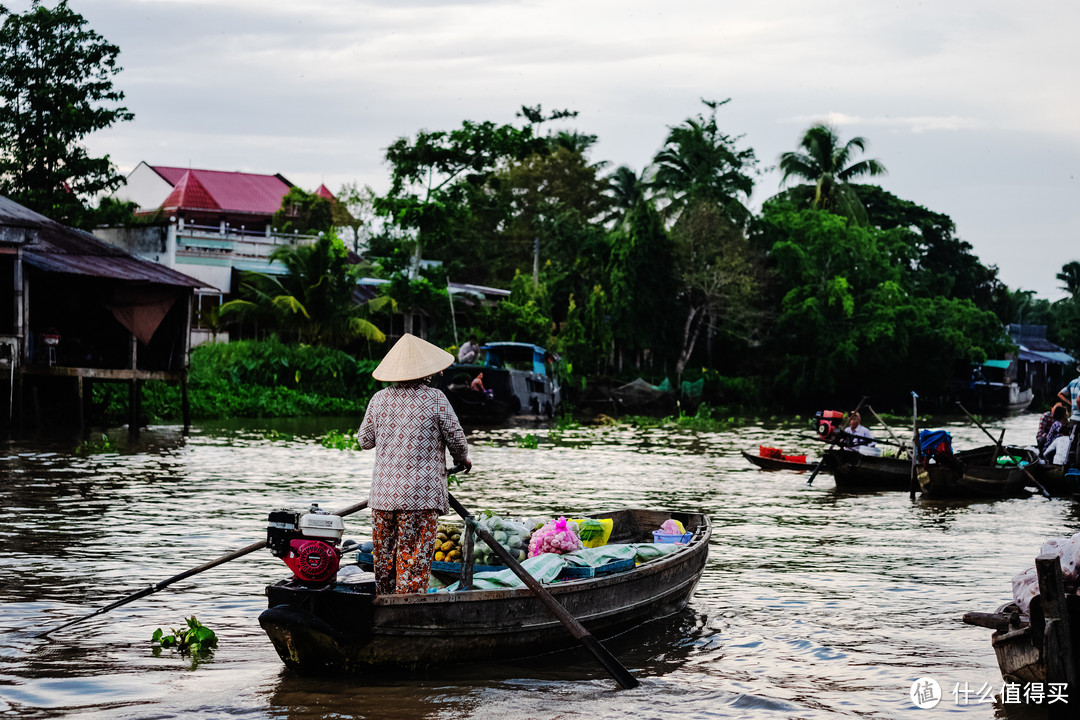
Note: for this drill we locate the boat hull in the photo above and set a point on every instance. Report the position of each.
(345, 629)
(776, 464)
(972, 476)
(853, 470)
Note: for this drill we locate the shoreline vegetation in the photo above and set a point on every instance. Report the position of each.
(271, 379)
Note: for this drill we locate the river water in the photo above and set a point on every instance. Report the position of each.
(814, 603)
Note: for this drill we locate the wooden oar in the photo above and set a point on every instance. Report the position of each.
(997, 448)
(186, 574)
(836, 437)
(610, 663)
(887, 428)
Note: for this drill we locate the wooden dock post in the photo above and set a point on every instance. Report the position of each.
(80, 407)
(1057, 645)
(185, 403)
(134, 395)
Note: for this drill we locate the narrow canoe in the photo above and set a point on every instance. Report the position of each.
(853, 470)
(347, 628)
(766, 463)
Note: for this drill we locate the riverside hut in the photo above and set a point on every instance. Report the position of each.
(75, 311)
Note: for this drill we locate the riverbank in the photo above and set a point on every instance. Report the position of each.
(251, 379)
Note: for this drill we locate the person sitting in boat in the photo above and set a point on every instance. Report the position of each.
(477, 384)
(1045, 422)
(856, 436)
(411, 426)
(468, 352)
(1059, 428)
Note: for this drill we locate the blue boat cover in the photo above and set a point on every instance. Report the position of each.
(935, 441)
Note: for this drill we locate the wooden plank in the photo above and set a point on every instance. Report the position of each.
(102, 373)
(1058, 650)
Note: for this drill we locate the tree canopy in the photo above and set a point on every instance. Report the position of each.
(56, 88)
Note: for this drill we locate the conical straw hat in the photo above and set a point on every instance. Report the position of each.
(411, 359)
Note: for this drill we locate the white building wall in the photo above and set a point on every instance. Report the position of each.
(144, 187)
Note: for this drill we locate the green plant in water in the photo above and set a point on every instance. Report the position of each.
(529, 441)
(93, 447)
(340, 440)
(274, 435)
(195, 639)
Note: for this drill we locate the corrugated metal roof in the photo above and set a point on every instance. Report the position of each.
(53, 247)
(1050, 356)
(233, 191)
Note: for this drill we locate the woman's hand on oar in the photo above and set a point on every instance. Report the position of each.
(186, 574)
(610, 663)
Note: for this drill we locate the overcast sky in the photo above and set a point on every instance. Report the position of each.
(972, 105)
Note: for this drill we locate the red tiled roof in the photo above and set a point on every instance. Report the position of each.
(231, 191)
(189, 193)
(323, 191)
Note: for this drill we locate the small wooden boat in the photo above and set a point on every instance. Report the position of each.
(853, 470)
(976, 474)
(1057, 479)
(1022, 642)
(348, 628)
(769, 463)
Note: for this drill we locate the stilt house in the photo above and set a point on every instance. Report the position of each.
(74, 311)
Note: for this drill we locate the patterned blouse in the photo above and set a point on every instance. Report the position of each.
(411, 426)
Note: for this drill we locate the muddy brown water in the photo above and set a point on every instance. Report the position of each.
(815, 603)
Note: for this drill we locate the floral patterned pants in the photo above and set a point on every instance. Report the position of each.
(404, 546)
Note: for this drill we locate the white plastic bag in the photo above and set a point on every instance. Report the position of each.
(1070, 558)
(1025, 587)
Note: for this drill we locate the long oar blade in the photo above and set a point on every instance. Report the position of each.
(997, 444)
(186, 574)
(610, 663)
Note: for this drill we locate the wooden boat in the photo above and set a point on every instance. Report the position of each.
(518, 376)
(1022, 642)
(975, 474)
(1057, 479)
(347, 628)
(768, 463)
(868, 472)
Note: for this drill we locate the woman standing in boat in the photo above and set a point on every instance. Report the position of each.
(410, 425)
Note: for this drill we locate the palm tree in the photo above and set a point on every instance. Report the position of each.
(314, 301)
(698, 163)
(1070, 276)
(626, 189)
(828, 164)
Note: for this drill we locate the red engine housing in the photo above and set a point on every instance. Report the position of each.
(313, 561)
(827, 422)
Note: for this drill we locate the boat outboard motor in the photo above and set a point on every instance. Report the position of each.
(828, 422)
(307, 542)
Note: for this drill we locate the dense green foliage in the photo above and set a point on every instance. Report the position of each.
(55, 89)
(834, 288)
(304, 213)
(266, 378)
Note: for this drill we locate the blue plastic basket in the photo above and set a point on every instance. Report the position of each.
(662, 537)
